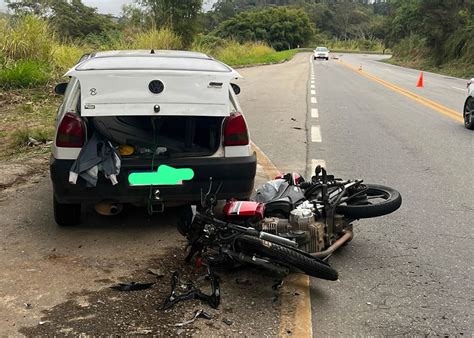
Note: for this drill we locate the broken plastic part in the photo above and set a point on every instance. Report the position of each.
(193, 292)
(197, 314)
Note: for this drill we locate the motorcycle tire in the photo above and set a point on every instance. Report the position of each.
(291, 257)
(391, 201)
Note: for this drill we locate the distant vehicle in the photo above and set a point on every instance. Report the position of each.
(163, 112)
(468, 111)
(321, 53)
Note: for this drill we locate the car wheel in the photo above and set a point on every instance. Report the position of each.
(469, 113)
(327, 59)
(314, 58)
(66, 214)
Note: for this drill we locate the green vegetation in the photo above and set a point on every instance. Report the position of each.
(436, 35)
(24, 73)
(255, 59)
(282, 28)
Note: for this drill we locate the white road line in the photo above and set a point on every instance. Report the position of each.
(314, 113)
(313, 92)
(315, 163)
(316, 134)
(313, 86)
(312, 82)
(313, 100)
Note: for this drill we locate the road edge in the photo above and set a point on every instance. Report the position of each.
(295, 311)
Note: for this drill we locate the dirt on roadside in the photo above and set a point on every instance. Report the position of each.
(56, 281)
(247, 298)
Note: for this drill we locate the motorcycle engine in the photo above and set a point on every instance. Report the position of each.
(302, 227)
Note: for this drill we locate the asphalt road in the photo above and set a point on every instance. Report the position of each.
(409, 272)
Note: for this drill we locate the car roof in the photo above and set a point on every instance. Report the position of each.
(170, 60)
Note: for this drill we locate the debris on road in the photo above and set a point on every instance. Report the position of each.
(132, 286)
(157, 272)
(243, 281)
(197, 314)
(28, 305)
(33, 142)
(227, 321)
(278, 285)
(193, 292)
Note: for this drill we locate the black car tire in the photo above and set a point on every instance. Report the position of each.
(469, 108)
(66, 214)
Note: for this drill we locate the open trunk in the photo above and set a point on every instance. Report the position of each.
(167, 136)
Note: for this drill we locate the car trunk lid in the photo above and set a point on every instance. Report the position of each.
(137, 92)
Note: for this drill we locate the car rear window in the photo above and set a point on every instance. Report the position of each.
(153, 63)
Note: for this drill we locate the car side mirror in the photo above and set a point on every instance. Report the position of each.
(236, 88)
(60, 89)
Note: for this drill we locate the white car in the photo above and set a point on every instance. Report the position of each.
(172, 110)
(468, 111)
(321, 53)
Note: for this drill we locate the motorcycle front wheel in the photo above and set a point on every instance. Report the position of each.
(377, 201)
(291, 257)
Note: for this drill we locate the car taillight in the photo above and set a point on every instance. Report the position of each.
(70, 132)
(235, 131)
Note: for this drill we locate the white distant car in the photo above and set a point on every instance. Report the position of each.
(468, 111)
(173, 110)
(321, 53)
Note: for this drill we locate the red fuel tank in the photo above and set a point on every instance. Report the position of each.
(244, 210)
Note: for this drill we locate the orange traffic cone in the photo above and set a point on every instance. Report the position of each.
(420, 81)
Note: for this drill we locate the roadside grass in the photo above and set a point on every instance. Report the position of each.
(455, 68)
(25, 114)
(269, 58)
(24, 73)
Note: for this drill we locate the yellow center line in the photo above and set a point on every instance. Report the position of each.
(415, 97)
(295, 313)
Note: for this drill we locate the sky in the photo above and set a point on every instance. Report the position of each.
(110, 6)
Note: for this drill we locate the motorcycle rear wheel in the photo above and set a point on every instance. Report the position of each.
(380, 200)
(291, 257)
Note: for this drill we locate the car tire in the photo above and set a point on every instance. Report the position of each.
(66, 214)
(327, 59)
(314, 58)
(468, 113)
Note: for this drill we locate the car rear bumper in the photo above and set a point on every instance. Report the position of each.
(236, 173)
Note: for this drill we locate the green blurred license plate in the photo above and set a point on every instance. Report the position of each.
(165, 175)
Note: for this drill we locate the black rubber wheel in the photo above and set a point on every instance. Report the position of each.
(66, 214)
(379, 200)
(468, 113)
(293, 258)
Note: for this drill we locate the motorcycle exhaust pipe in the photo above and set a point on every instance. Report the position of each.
(257, 261)
(277, 239)
(336, 245)
(108, 208)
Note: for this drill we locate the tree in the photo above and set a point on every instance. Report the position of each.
(70, 19)
(280, 27)
(25, 7)
(179, 15)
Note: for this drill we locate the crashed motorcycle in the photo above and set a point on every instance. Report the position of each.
(292, 225)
